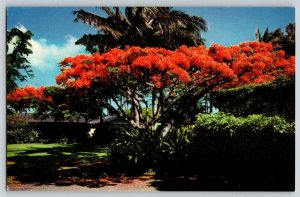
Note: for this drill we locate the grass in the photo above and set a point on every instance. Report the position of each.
(70, 150)
(14, 150)
(55, 163)
(63, 165)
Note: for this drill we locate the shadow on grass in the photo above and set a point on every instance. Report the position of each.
(63, 165)
(88, 166)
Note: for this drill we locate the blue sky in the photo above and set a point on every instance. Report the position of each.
(55, 32)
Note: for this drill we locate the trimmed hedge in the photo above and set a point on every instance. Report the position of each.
(276, 98)
(251, 153)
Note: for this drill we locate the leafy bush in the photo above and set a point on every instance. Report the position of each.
(174, 150)
(137, 149)
(22, 134)
(19, 131)
(134, 149)
(257, 122)
(252, 151)
(248, 153)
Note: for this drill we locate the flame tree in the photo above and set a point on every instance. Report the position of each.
(167, 82)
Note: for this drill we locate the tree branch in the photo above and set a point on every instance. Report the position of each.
(119, 107)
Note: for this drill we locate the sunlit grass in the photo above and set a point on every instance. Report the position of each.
(53, 162)
(40, 154)
(57, 150)
(19, 149)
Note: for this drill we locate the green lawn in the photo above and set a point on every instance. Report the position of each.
(55, 163)
(69, 150)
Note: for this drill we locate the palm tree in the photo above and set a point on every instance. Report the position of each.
(141, 26)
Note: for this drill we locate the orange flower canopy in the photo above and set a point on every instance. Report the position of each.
(249, 62)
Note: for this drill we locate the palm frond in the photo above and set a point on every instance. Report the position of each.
(130, 13)
(187, 38)
(107, 10)
(97, 22)
(119, 14)
(142, 26)
(202, 23)
(98, 42)
(175, 19)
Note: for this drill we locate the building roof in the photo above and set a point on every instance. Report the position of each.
(107, 119)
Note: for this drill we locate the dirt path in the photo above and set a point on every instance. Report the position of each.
(126, 184)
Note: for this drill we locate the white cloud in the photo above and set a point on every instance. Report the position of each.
(46, 56)
(21, 27)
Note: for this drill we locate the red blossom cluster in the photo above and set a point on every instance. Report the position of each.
(253, 62)
(27, 94)
(249, 62)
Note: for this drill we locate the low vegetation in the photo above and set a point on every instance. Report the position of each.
(235, 150)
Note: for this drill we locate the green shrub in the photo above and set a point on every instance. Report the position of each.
(248, 153)
(22, 134)
(134, 150)
(19, 131)
(175, 150)
(257, 122)
(239, 149)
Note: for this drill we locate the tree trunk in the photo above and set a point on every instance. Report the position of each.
(134, 110)
(154, 104)
(210, 105)
(161, 101)
(101, 115)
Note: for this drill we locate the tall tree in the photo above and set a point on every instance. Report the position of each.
(280, 40)
(17, 51)
(141, 26)
(170, 82)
